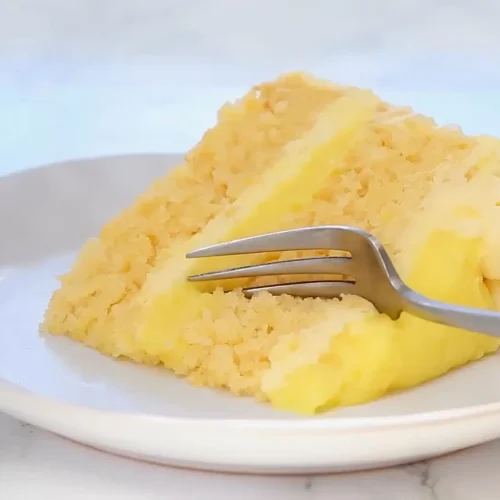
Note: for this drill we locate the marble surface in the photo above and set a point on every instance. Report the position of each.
(36, 464)
(81, 78)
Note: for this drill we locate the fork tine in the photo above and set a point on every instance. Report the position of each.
(317, 265)
(321, 289)
(309, 238)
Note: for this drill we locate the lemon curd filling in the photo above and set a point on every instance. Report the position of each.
(296, 152)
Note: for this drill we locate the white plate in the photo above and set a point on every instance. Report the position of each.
(52, 382)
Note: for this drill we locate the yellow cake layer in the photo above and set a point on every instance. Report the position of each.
(249, 137)
(291, 153)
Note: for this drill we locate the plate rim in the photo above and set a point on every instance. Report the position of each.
(31, 169)
(305, 423)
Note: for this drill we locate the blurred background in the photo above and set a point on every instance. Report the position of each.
(81, 78)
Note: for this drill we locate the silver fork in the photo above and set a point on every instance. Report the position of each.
(367, 272)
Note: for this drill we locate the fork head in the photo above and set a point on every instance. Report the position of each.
(367, 271)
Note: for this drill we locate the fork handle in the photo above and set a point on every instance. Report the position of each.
(466, 318)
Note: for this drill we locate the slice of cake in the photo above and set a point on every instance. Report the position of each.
(296, 152)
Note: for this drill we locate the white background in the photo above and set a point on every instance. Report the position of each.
(88, 77)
